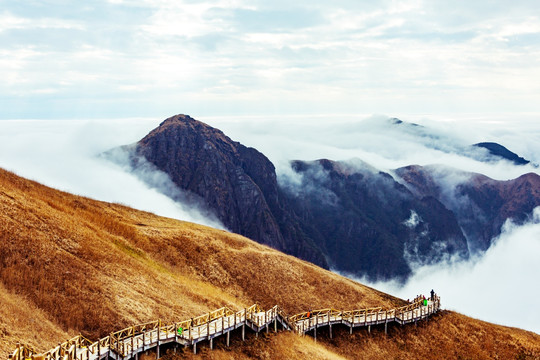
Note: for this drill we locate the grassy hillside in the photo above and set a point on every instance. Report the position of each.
(72, 265)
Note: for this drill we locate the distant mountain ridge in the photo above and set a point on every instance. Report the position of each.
(502, 152)
(361, 218)
(495, 151)
(344, 215)
(481, 204)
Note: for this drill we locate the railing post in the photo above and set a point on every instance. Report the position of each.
(191, 324)
(157, 347)
(244, 325)
(316, 324)
(365, 317)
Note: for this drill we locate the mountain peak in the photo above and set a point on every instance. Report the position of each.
(182, 120)
(183, 131)
(238, 183)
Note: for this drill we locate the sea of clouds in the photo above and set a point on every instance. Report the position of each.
(67, 154)
(500, 286)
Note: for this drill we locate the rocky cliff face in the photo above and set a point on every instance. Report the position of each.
(346, 215)
(369, 224)
(238, 183)
(481, 204)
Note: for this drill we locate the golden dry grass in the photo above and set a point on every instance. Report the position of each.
(447, 335)
(74, 265)
(283, 345)
(22, 320)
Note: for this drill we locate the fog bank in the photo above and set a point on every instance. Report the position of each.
(65, 155)
(500, 287)
(385, 145)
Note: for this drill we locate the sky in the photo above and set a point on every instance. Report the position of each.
(137, 58)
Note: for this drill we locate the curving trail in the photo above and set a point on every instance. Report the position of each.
(130, 342)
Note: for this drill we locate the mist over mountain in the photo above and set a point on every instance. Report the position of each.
(369, 224)
(345, 215)
(489, 151)
(482, 205)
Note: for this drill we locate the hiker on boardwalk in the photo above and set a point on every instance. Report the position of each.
(432, 295)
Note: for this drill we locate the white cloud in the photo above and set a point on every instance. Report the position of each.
(413, 220)
(65, 155)
(9, 21)
(386, 146)
(499, 287)
(383, 56)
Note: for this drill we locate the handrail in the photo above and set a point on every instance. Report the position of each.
(124, 342)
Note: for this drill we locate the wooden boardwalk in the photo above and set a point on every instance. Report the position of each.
(130, 342)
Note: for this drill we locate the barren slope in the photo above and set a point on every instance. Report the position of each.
(72, 265)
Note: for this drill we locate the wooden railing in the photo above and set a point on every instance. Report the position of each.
(129, 342)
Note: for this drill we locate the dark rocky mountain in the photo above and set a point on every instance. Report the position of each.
(481, 204)
(346, 215)
(367, 223)
(236, 182)
(500, 151)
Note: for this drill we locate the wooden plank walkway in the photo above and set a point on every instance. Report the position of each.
(130, 342)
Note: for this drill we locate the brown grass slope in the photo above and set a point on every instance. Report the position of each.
(72, 265)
